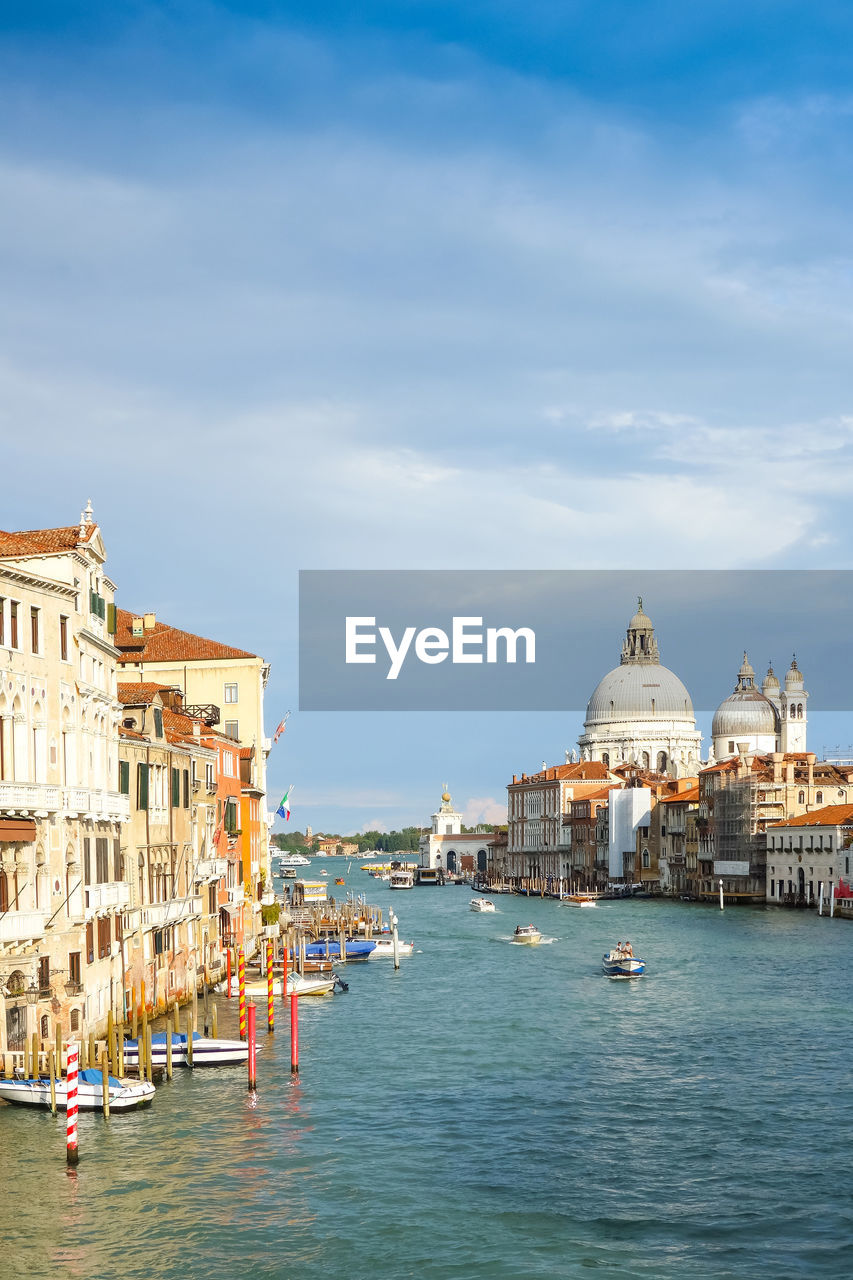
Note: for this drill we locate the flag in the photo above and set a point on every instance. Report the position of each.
(281, 728)
(283, 810)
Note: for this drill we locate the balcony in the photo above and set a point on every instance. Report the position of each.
(236, 894)
(104, 899)
(102, 806)
(30, 799)
(19, 928)
(157, 915)
(211, 869)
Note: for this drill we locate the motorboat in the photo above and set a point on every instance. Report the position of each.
(581, 900)
(339, 880)
(402, 880)
(318, 986)
(330, 949)
(124, 1095)
(620, 962)
(385, 947)
(527, 933)
(293, 860)
(207, 1052)
(482, 904)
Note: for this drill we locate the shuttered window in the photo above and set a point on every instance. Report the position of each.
(124, 777)
(142, 786)
(90, 942)
(102, 859)
(186, 788)
(176, 788)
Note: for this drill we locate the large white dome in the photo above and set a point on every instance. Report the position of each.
(639, 692)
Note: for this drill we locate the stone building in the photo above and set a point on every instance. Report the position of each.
(447, 846)
(808, 854)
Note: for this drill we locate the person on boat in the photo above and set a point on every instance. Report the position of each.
(629, 950)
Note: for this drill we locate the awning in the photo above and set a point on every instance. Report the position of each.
(17, 829)
(233, 908)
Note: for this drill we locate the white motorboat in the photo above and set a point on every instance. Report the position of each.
(295, 982)
(620, 962)
(293, 860)
(527, 933)
(402, 880)
(581, 900)
(482, 904)
(124, 1095)
(207, 1052)
(385, 947)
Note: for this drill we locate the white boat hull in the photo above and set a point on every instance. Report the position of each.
(207, 1052)
(36, 1093)
(482, 904)
(385, 947)
(302, 986)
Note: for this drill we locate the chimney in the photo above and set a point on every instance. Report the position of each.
(777, 759)
(789, 771)
(810, 759)
(149, 621)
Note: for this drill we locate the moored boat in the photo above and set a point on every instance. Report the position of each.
(385, 947)
(354, 949)
(620, 962)
(207, 1052)
(581, 899)
(482, 904)
(124, 1095)
(402, 880)
(318, 986)
(527, 933)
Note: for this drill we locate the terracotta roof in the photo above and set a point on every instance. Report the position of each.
(833, 815)
(690, 796)
(39, 542)
(246, 753)
(141, 693)
(163, 643)
(580, 771)
(131, 733)
(598, 794)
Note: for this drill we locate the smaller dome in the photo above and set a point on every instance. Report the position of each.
(746, 712)
(771, 680)
(794, 678)
(641, 620)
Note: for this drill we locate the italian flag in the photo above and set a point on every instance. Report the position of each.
(283, 809)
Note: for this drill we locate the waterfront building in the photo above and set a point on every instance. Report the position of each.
(809, 853)
(588, 815)
(62, 890)
(216, 680)
(539, 817)
(445, 844)
(675, 832)
(640, 712)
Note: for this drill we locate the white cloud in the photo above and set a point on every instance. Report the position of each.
(484, 809)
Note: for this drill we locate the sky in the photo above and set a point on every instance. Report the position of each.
(422, 285)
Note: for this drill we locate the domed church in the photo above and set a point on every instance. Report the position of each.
(761, 720)
(641, 713)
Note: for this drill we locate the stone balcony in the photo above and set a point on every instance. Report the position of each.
(104, 899)
(21, 928)
(211, 869)
(41, 799)
(159, 915)
(236, 894)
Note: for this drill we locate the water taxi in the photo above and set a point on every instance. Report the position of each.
(401, 880)
(581, 899)
(527, 933)
(482, 904)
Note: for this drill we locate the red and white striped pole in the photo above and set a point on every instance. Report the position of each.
(252, 1047)
(228, 973)
(294, 1033)
(270, 1010)
(241, 980)
(72, 1155)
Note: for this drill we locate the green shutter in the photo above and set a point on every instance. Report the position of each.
(176, 788)
(111, 619)
(93, 602)
(142, 786)
(124, 777)
(186, 788)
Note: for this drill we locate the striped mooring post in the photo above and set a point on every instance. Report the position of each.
(270, 1010)
(72, 1155)
(241, 980)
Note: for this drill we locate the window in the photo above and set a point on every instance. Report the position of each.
(102, 859)
(231, 729)
(142, 786)
(74, 970)
(34, 629)
(801, 798)
(44, 974)
(87, 860)
(209, 776)
(124, 777)
(187, 788)
(75, 1019)
(2, 620)
(90, 943)
(63, 637)
(158, 722)
(228, 764)
(103, 937)
(731, 747)
(231, 693)
(117, 867)
(646, 860)
(176, 788)
(13, 623)
(819, 798)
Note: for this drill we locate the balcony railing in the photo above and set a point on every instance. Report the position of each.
(103, 899)
(20, 927)
(236, 893)
(102, 804)
(30, 797)
(159, 914)
(211, 869)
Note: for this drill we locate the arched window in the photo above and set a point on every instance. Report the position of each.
(645, 760)
(45, 1027)
(799, 711)
(662, 762)
(653, 706)
(605, 758)
(646, 859)
(819, 797)
(801, 798)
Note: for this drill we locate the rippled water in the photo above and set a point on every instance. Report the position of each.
(489, 1111)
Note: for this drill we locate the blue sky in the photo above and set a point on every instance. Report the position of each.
(422, 286)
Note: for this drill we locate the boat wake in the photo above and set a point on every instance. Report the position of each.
(516, 942)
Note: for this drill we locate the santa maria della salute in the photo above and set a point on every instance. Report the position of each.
(641, 713)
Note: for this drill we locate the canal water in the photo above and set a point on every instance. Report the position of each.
(489, 1111)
